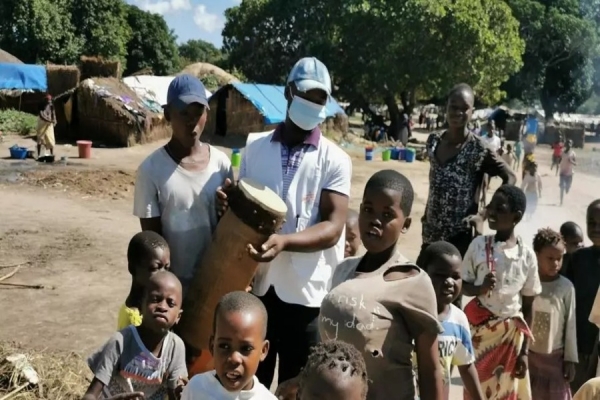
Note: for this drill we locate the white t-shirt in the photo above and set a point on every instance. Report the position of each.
(206, 387)
(493, 142)
(185, 202)
(516, 274)
(566, 163)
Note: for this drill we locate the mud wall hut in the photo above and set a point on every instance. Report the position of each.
(108, 112)
(238, 109)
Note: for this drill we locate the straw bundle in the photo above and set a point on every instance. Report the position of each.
(92, 67)
(63, 376)
(202, 70)
(62, 78)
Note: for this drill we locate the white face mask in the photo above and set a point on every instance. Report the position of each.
(306, 114)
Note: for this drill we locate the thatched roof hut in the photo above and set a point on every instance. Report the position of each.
(202, 70)
(242, 108)
(107, 111)
(8, 58)
(97, 67)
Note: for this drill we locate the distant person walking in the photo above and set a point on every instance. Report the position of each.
(566, 167)
(45, 126)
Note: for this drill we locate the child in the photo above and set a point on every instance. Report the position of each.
(238, 346)
(532, 186)
(442, 261)
(391, 303)
(509, 156)
(334, 370)
(352, 234)
(589, 391)
(147, 361)
(554, 352)
(518, 153)
(585, 275)
(501, 272)
(573, 237)
(557, 149)
(147, 254)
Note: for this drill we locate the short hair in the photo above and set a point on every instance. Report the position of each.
(436, 251)
(461, 88)
(570, 229)
(334, 354)
(515, 196)
(593, 204)
(240, 301)
(352, 216)
(393, 180)
(143, 244)
(546, 237)
(158, 277)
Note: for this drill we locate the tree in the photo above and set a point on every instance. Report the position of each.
(561, 39)
(38, 31)
(103, 26)
(152, 43)
(197, 50)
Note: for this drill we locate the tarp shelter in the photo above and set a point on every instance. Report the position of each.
(23, 77)
(152, 88)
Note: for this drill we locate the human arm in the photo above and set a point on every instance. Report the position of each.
(469, 275)
(470, 379)
(431, 386)
(177, 372)
(494, 165)
(95, 390)
(522, 359)
(539, 184)
(145, 202)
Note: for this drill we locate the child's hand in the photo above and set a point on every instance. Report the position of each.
(521, 367)
(288, 389)
(569, 371)
(181, 382)
(489, 283)
(129, 396)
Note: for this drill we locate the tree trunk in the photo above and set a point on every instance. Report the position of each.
(548, 105)
(395, 117)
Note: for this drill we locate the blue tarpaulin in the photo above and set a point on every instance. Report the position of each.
(23, 77)
(270, 101)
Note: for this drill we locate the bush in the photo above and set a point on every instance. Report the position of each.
(13, 121)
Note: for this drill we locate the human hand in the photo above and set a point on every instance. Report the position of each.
(569, 371)
(274, 245)
(221, 203)
(489, 283)
(248, 289)
(129, 396)
(288, 389)
(475, 221)
(522, 366)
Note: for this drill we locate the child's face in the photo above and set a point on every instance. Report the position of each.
(499, 215)
(331, 384)
(352, 239)
(162, 304)
(381, 221)
(574, 242)
(593, 224)
(238, 346)
(445, 276)
(159, 260)
(459, 109)
(550, 259)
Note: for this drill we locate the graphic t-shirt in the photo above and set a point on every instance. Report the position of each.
(207, 387)
(125, 357)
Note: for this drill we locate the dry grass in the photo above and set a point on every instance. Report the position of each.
(62, 78)
(63, 376)
(92, 67)
(201, 70)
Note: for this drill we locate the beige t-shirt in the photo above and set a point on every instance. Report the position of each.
(381, 318)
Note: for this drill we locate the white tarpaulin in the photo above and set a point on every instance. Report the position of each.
(152, 87)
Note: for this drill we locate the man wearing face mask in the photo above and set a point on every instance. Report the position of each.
(312, 175)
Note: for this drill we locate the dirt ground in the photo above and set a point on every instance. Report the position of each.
(70, 225)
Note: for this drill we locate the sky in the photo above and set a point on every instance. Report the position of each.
(191, 19)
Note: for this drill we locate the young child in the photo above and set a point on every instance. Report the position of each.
(442, 261)
(238, 346)
(518, 153)
(553, 354)
(585, 275)
(352, 234)
(334, 371)
(532, 186)
(147, 254)
(557, 150)
(590, 390)
(501, 272)
(509, 156)
(147, 361)
(381, 303)
(573, 236)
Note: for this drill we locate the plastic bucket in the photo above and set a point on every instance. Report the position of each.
(18, 153)
(402, 154)
(236, 158)
(410, 155)
(395, 153)
(386, 155)
(368, 154)
(85, 148)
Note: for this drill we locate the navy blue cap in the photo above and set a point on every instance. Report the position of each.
(185, 90)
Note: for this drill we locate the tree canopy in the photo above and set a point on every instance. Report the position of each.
(197, 50)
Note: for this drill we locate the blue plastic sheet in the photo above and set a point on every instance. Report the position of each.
(23, 77)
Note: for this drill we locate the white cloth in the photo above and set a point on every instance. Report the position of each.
(516, 274)
(567, 163)
(299, 278)
(206, 387)
(185, 202)
(493, 142)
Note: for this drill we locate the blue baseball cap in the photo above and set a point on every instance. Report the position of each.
(310, 73)
(185, 90)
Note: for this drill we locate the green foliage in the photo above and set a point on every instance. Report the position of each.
(197, 50)
(14, 121)
(152, 43)
(211, 82)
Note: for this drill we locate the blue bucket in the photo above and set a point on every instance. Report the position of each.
(395, 153)
(18, 153)
(402, 154)
(410, 155)
(368, 154)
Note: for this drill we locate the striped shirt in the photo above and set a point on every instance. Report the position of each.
(291, 157)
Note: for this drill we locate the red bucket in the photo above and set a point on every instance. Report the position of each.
(85, 148)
